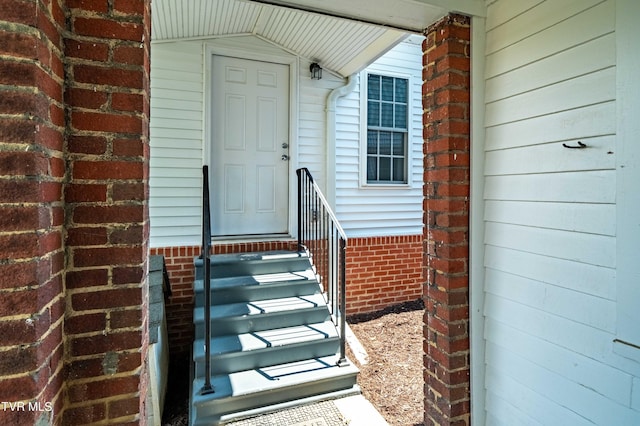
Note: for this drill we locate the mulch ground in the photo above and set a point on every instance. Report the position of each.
(392, 380)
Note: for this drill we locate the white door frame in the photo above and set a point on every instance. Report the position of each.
(210, 50)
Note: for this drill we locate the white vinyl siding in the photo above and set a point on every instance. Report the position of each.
(550, 217)
(312, 130)
(375, 210)
(176, 129)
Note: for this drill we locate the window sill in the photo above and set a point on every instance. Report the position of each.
(385, 186)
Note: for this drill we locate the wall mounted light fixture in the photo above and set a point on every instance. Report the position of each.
(316, 71)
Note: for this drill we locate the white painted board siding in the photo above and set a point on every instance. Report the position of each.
(373, 211)
(550, 217)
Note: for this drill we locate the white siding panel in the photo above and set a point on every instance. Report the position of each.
(189, 164)
(369, 211)
(557, 158)
(172, 91)
(176, 133)
(585, 371)
(165, 214)
(571, 125)
(590, 279)
(576, 30)
(312, 117)
(544, 15)
(159, 101)
(519, 404)
(592, 249)
(177, 152)
(178, 114)
(582, 401)
(558, 331)
(550, 216)
(178, 143)
(509, 415)
(590, 89)
(497, 14)
(561, 66)
(577, 306)
(186, 85)
(591, 218)
(180, 124)
(160, 74)
(574, 187)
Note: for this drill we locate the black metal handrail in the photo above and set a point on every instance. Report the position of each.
(322, 237)
(206, 260)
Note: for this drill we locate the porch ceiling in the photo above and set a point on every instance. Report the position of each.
(343, 36)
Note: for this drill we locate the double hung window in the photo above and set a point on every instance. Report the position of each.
(387, 129)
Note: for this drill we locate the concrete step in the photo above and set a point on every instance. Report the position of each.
(248, 317)
(257, 391)
(259, 263)
(247, 288)
(247, 351)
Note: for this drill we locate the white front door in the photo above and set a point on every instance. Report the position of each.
(249, 147)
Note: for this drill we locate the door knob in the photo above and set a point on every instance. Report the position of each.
(285, 145)
(285, 157)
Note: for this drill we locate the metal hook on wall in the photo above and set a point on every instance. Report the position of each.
(580, 146)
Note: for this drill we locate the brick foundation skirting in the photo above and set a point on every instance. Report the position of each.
(381, 271)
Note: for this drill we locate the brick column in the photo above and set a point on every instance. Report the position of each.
(446, 205)
(31, 211)
(107, 99)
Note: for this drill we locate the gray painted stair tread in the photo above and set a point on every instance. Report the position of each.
(274, 342)
(261, 307)
(262, 279)
(256, 256)
(277, 376)
(266, 339)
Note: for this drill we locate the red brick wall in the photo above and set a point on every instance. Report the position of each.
(74, 78)
(107, 107)
(446, 95)
(31, 210)
(383, 271)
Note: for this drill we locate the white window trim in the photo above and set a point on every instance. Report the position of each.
(363, 130)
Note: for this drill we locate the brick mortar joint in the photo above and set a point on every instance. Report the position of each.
(111, 14)
(111, 62)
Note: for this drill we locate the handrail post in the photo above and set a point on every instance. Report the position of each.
(206, 259)
(343, 303)
(300, 201)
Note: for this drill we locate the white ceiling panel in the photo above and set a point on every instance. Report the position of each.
(312, 29)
